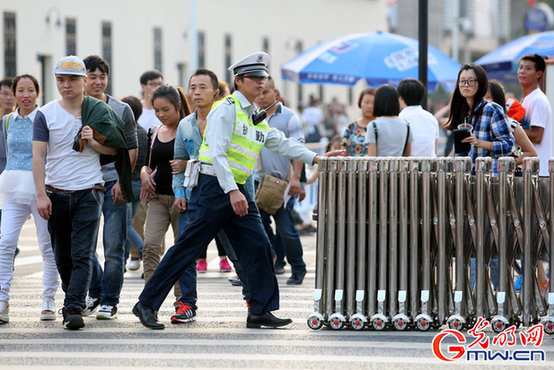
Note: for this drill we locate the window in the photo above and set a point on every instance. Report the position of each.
(158, 62)
(201, 49)
(10, 61)
(70, 36)
(107, 50)
(228, 46)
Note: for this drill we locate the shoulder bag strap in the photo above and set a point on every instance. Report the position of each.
(153, 138)
(375, 131)
(407, 136)
(7, 125)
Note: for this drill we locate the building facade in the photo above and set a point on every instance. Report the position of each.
(138, 35)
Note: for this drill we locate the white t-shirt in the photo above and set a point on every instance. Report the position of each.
(424, 129)
(539, 113)
(148, 119)
(66, 168)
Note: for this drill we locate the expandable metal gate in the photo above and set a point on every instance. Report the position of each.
(396, 235)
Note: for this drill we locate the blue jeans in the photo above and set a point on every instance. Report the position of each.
(208, 211)
(133, 238)
(493, 272)
(287, 238)
(107, 284)
(73, 227)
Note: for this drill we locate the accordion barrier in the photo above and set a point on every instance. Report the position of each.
(399, 238)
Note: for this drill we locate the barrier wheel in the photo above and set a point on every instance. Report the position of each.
(378, 324)
(549, 327)
(357, 324)
(456, 325)
(498, 326)
(423, 324)
(336, 323)
(400, 324)
(315, 322)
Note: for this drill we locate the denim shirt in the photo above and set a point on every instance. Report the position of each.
(187, 145)
(19, 143)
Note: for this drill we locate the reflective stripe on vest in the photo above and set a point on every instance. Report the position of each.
(246, 143)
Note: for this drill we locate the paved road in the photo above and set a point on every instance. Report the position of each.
(218, 339)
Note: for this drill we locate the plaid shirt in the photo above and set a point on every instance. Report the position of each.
(493, 126)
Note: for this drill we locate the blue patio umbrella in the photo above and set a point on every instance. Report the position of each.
(507, 55)
(378, 57)
(503, 62)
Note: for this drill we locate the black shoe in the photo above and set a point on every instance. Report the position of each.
(147, 316)
(72, 319)
(296, 278)
(235, 281)
(266, 319)
(279, 270)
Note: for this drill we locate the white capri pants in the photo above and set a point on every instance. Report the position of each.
(14, 216)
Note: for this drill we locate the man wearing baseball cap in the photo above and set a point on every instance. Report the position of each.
(69, 186)
(234, 135)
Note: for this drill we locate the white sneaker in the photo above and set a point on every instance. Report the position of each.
(91, 307)
(133, 265)
(4, 312)
(48, 311)
(107, 312)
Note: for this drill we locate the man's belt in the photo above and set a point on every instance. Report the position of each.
(207, 169)
(95, 187)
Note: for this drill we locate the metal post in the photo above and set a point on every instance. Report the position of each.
(442, 220)
(316, 319)
(548, 322)
(530, 166)
(424, 319)
(483, 166)
(401, 320)
(332, 174)
(415, 239)
(500, 322)
(458, 320)
(358, 320)
(337, 320)
(379, 320)
(372, 255)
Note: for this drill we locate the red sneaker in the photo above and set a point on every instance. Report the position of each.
(202, 265)
(224, 265)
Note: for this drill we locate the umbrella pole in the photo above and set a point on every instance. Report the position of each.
(423, 42)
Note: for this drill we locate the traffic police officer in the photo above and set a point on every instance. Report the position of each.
(231, 145)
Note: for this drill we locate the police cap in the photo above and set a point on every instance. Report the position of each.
(254, 64)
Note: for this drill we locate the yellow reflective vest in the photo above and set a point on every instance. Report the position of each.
(246, 143)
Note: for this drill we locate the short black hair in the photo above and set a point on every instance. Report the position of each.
(8, 81)
(150, 75)
(497, 93)
(386, 101)
(210, 74)
(94, 62)
(134, 104)
(540, 65)
(412, 91)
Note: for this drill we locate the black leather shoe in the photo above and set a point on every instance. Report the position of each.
(266, 319)
(296, 278)
(279, 270)
(147, 316)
